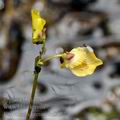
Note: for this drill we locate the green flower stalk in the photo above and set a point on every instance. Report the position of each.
(38, 37)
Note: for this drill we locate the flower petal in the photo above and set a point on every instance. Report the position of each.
(83, 63)
(38, 24)
(92, 59)
(83, 71)
(79, 56)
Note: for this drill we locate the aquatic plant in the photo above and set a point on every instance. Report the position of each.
(80, 61)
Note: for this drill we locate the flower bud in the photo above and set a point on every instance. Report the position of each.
(38, 30)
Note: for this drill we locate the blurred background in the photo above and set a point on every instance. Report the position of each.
(60, 95)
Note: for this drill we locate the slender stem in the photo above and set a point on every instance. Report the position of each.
(52, 57)
(36, 74)
(35, 82)
(43, 48)
(32, 95)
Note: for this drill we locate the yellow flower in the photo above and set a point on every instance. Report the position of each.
(38, 24)
(81, 61)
